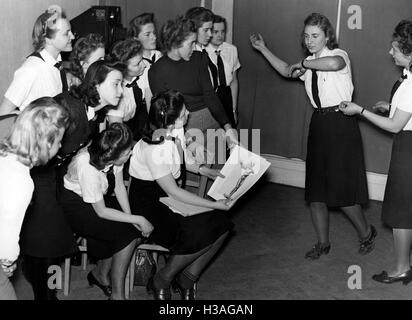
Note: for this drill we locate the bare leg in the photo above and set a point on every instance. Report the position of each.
(402, 244)
(320, 220)
(193, 271)
(120, 263)
(357, 217)
(102, 270)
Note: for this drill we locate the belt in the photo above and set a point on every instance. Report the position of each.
(327, 109)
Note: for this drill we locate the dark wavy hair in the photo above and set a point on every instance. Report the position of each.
(96, 74)
(82, 50)
(109, 144)
(199, 15)
(136, 24)
(165, 108)
(125, 50)
(317, 19)
(403, 35)
(174, 33)
(219, 19)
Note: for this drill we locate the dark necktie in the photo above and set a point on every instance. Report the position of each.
(396, 86)
(63, 76)
(315, 90)
(101, 115)
(220, 70)
(111, 181)
(137, 92)
(182, 159)
(151, 60)
(213, 70)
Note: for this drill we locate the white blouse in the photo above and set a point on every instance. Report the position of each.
(16, 190)
(34, 79)
(402, 99)
(334, 86)
(85, 180)
(153, 161)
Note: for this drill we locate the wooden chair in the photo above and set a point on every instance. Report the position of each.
(154, 249)
(82, 245)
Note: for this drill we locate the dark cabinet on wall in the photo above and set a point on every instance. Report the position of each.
(105, 20)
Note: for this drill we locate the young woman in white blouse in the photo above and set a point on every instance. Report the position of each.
(143, 29)
(131, 109)
(107, 223)
(155, 164)
(33, 141)
(39, 76)
(397, 203)
(335, 169)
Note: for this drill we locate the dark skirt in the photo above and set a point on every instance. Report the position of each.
(335, 169)
(104, 237)
(397, 202)
(225, 96)
(45, 231)
(181, 235)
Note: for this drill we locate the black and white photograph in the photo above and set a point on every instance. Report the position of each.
(119, 123)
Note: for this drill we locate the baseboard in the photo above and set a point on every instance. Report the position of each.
(291, 172)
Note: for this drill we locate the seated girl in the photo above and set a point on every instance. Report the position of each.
(110, 228)
(155, 164)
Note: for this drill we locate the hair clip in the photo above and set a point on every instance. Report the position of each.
(54, 8)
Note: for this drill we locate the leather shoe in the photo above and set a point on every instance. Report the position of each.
(159, 294)
(107, 290)
(185, 294)
(317, 250)
(383, 277)
(367, 245)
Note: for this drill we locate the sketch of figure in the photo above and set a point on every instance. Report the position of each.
(245, 171)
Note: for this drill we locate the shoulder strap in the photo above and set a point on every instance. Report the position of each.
(36, 54)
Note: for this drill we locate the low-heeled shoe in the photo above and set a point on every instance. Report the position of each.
(383, 277)
(107, 290)
(185, 294)
(317, 250)
(159, 294)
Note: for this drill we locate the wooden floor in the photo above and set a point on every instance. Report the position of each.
(264, 257)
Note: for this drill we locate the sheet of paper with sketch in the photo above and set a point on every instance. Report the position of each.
(241, 171)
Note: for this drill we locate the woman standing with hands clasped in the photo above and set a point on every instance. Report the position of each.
(335, 170)
(397, 203)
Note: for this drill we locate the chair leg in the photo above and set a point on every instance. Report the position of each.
(67, 266)
(84, 254)
(202, 186)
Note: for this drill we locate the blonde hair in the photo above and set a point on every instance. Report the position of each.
(35, 131)
(45, 26)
